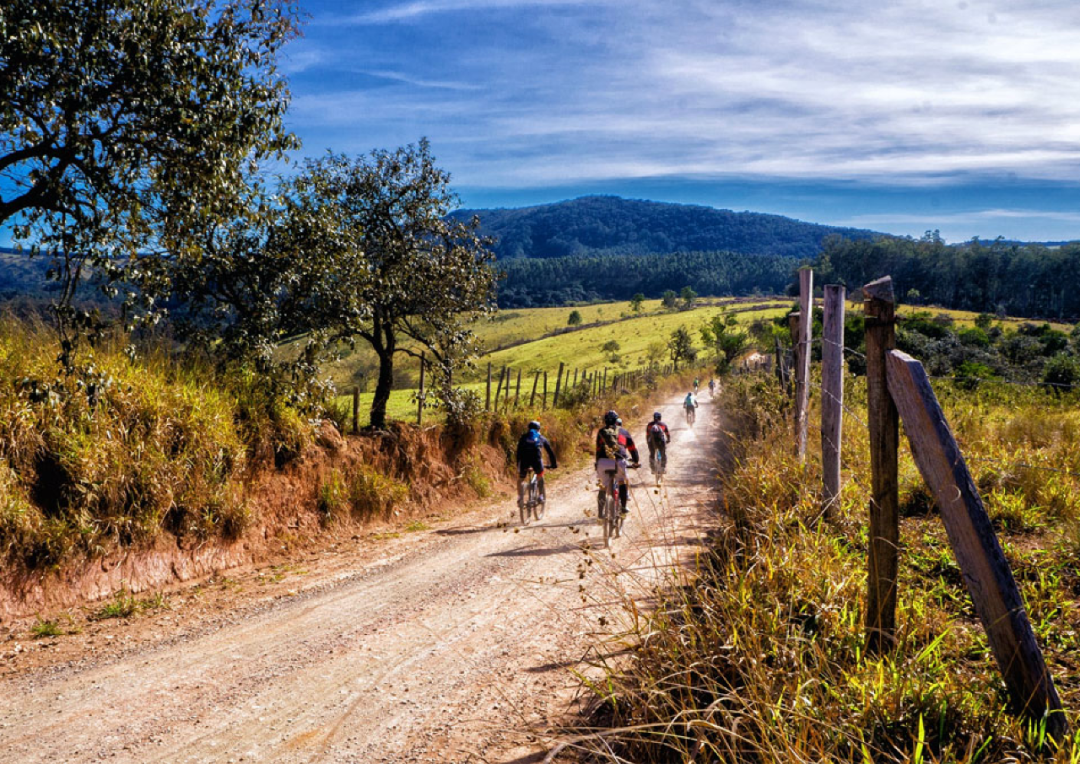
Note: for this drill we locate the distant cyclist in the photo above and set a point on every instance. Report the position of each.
(530, 455)
(614, 446)
(712, 387)
(690, 404)
(695, 384)
(657, 437)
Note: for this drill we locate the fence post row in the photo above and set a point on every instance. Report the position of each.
(802, 358)
(986, 572)
(832, 396)
(545, 392)
(880, 310)
(558, 386)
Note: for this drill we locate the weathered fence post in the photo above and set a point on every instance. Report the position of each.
(832, 395)
(793, 329)
(802, 359)
(779, 364)
(421, 396)
(356, 409)
(517, 390)
(487, 399)
(575, 376)
(502, 376)
(558, 387)
(545, 391)
(880, 310)
(985, 570)
(536, 380)
(603, 383)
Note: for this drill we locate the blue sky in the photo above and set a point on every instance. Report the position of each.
(961, 116)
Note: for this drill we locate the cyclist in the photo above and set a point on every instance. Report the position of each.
(690, 404)
(657, 437)
(695, 384)
(530, 455)
(613, 447)
(712, 387)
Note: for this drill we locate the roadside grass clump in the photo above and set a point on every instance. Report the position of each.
(372, 494)
(46, 628)
(333, 499)
(757, 654)
(124, 604)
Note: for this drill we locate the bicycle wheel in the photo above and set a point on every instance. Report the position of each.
(610, 511)
(539, 503)
(524, 509)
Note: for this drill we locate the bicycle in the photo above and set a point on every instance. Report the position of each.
(658, 465)
(691, 414)
(534, 504)
(607, 506)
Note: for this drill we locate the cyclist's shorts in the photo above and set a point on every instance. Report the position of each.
(536, 466)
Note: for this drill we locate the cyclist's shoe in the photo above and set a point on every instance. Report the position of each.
(623, 510)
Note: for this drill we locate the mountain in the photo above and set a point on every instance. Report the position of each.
(22, 275)
(610, 225)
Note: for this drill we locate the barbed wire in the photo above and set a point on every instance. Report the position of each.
(1022, 465)
(1002, 380)
(843, 405)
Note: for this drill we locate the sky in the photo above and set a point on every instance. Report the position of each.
(958, 116)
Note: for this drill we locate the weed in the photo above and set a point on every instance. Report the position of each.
(417, 525)
(46, 629)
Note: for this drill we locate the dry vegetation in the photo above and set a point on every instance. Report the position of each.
(759, 657)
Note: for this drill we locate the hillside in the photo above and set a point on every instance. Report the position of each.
(610, 225)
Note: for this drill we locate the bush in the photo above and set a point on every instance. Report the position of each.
(1062, 372)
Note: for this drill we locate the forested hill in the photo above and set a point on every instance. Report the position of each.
(610, 225)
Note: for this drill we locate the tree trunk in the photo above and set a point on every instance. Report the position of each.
(384, 348)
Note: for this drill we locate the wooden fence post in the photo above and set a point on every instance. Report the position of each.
(603, 383)
(558, 387)
(420, 398)
(802, 359)
(517, 390)
(356, 409)
(793, 328)
(832, 395)
(779, 364)
(506, 397)
(884, 424)
(545, 391)
(499, 388)
(532, 398)
(575, 376)
(985, 570)
(487, 399)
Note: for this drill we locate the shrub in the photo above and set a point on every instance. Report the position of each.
(374, 494)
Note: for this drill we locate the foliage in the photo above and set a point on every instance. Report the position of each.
(612, 227)
(425, 276)
(668, 298)
(1062, 372)
(992, 278)
(574, 318)
(721, 333)
(126, 126)
(681, 346)
(688, 296)
(637, 301)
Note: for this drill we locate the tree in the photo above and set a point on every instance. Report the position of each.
(681, 346)
(574, 319)
(126, 126)
(425, 276)
(636, 302)
(669, 299)
(688, 296)
(655, 351)
(722, 333)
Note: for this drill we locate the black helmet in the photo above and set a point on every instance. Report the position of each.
(657, 416)
(534, 425)
(611, 418)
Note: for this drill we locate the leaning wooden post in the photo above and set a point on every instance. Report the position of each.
(356, 409)
(802, 359)
(532, 398)
(420, 398)
(779, 364)
(517, 390)
(575, 376)
(506, 398)
(985, 570)
(832, 395)
(603, 383)
(884, 424)
(487, 399)
(545, 391)
(558, 387)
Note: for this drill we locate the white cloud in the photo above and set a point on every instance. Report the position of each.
(411, 11)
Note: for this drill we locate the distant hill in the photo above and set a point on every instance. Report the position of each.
(22, 275)
(610, 225)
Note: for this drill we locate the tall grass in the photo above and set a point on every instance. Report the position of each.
(758, 656)
(125, 450)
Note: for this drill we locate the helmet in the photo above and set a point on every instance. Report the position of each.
(534, 425)
(611, 418)
(657, 416)
(619, 421)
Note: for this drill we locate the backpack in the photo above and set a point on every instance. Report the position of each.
(689, 402)
(655, 432)
(609, 438)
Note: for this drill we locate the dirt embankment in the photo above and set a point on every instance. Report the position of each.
(422, 467)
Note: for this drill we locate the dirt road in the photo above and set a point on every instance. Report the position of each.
(458, 646)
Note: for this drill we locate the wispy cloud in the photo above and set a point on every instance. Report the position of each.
(410, 11)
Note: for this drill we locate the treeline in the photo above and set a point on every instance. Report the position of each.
(558, 281)
(610, 225)
(1030, 280)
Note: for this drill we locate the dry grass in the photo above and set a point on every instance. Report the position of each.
(759, 658)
